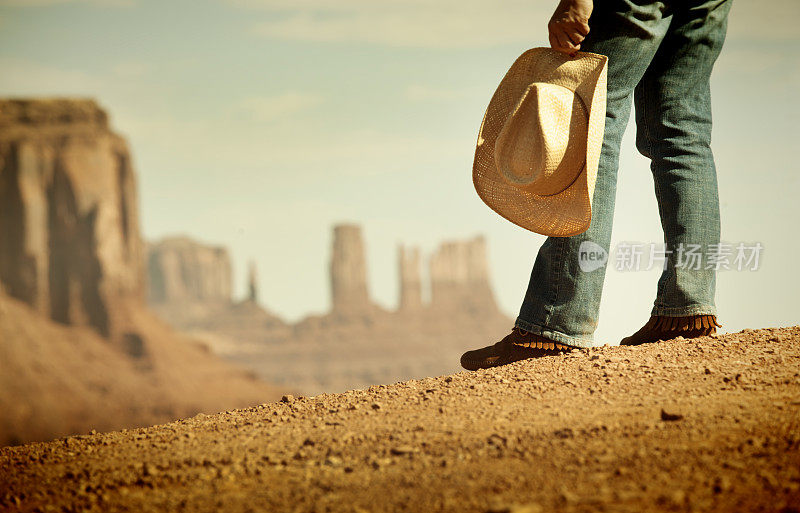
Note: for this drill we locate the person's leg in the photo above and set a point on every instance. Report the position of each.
(673, 118)
(562, 301)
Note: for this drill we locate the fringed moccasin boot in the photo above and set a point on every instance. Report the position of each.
(666, 328)
(518, 345)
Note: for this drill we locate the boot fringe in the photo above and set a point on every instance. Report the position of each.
(704, 322)
(539, 342)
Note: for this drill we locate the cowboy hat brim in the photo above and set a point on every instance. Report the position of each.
(568, 212)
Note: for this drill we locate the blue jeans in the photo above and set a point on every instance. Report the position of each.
(660, 56)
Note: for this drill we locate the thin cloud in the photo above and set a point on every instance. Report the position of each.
(226, 145)
(27, 78)
(270, 108)
(47, 3)
(130, 69)
(465, 23)
(424, 93)
(409, 23)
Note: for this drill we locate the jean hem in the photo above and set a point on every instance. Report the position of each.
(555, 336)
(683, 311)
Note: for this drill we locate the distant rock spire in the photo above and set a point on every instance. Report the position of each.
(460, 277)
(410, 281)
(348, 270)
(252, 282)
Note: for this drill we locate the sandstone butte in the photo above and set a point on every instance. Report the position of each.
(706, 425)
(357, 342)
(78, 346)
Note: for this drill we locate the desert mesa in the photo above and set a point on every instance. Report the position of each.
(102, 330)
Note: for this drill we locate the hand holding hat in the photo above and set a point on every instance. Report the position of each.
(569, 25)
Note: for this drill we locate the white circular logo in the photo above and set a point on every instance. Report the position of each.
(591, 256)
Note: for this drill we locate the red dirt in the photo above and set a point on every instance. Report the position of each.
(706, 425)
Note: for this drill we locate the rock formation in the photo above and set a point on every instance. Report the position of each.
(410, 279)
(348, 271)
(79, 349)
(69, 228)
(190, 287)
(252, 283)
(460, 278)
(183, 270)
(357, 343)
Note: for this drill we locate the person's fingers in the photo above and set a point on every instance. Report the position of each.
(582, 28)
(552, 31)
(557, 41)
(564, 43)
(563, 38)
(554, 44)
(574, 38)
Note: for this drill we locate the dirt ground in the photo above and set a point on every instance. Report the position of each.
(705, 425)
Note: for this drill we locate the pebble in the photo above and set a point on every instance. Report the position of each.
(721, 484)
(333, 461)
(516, 508)
(149, 470)
(669, 417)
(403, 449)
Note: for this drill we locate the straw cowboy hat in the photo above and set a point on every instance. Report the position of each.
(539, 144)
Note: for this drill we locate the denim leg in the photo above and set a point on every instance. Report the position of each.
(562, 301)
(673, 118)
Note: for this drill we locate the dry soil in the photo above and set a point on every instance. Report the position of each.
(704, 425)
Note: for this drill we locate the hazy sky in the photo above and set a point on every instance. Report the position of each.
(258, 124)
